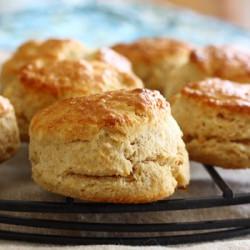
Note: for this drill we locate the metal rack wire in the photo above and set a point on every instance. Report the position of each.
(184, 232)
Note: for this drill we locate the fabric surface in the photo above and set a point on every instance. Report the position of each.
(229, 245)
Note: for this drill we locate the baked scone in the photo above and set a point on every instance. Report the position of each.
(225, 62)
(9, 135)
(154, 59)
(40, 84)
(214, 116)
(110, 57)
(120, 146)
(48, 50)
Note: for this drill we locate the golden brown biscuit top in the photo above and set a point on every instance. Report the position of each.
(217, 92)
(111, 57)
(75, 78)
(5, 105)
(226, 62)
(52, 49)
(150, 50)
(81, 118)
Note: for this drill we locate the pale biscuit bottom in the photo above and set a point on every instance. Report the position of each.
(226, 154)
(148, 182)
(108, 170)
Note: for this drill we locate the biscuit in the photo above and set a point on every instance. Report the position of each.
(225, 62)
(48, 50)
(120, 146)
(154, 59)
(9, 135)
(110, 57)
(214, 116)
(40, 84)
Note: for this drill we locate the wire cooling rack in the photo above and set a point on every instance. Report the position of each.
(176, 233)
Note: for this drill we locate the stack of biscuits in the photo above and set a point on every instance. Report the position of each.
(98, 122)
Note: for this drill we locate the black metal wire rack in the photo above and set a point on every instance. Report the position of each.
(184, 232)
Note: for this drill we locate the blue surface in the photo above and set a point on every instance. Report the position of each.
(99, 23)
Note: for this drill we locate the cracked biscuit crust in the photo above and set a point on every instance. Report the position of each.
(44, 51)
(214, 116)
(121, 146)
(225, 62)
(41, 72)
(41, 84)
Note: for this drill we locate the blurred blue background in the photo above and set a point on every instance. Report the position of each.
(98, 23)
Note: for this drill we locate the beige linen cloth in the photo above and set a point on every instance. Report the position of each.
(16, 183)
